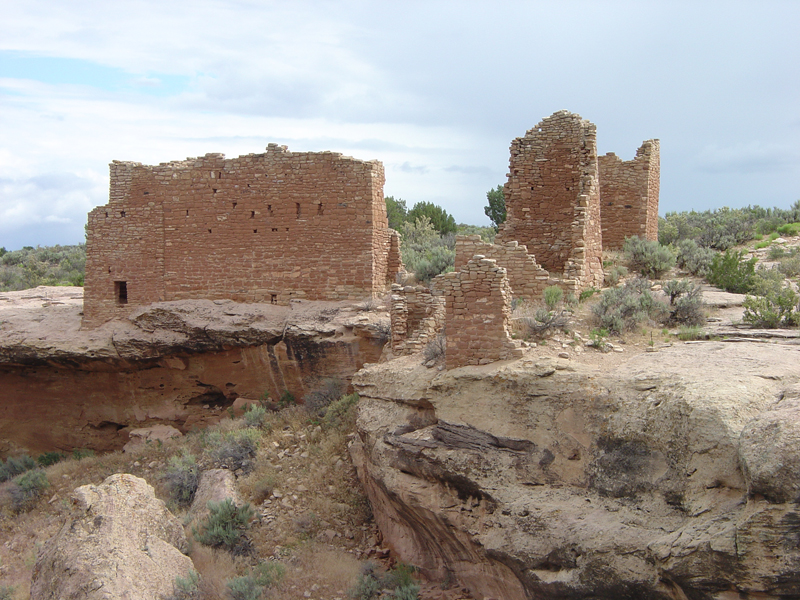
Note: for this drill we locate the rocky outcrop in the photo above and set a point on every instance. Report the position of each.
(121, 542)
(670, 475)
(216, 485)
(174, 363)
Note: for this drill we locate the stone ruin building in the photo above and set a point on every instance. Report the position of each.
(281, 225)
(266, 227)
(629, 195)
(553, 199)
(564, 204)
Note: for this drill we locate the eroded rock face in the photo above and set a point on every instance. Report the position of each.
(558, 480)
(175, 363)
(121, 543)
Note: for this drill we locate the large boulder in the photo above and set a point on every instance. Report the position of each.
(121, 543)
(554, 479)
(139, 438)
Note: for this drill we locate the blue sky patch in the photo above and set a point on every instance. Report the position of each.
(75, 71)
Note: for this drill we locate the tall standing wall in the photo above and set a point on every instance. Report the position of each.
(258, 228)
(629, 195)
(553, 198)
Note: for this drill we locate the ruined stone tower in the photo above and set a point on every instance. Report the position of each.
(553, 198)
(629, 195)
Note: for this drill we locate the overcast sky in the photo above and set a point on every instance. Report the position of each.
(435, 90)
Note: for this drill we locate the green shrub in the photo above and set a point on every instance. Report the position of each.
(406, 592)
(182, 478)
(790, 266)
(685, 302)
(318, 400)
(225, 525)
(693, 258)
(26, 488)
(779, 252)
(773, 305)
(186, 588)
(648, 258)
(16, 466)
(7, 591)
(401, 576)
(268, 573)
(287, 399)
(615, 275)
(538, 321)
(425, 252)
(370, 583)
(50, 458)
(254, 415)
(236, 450)
(761, 245)
(586, 294)
(624, 308)
(435, 348)
(244, 588)
(790, 229)
(341, 411)
(689, 333)
(732, 272)
(49, 265)
(81, 453)
(553, 296)
(253, 585)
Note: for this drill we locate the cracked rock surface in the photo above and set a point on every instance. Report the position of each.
(670, 474)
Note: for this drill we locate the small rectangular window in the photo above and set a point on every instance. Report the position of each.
(299, 211)
(320, 210)
(121, 292)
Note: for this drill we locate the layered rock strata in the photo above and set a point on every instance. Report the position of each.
(176, 363)
(669, 476)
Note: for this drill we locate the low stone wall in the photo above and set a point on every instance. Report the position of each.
(417, 317)
(478, 307)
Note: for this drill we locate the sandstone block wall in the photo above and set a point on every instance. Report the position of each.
(258, 228)
(478, 307)
(553, 198)
(629, 195)
(526, 277)
(417, 316)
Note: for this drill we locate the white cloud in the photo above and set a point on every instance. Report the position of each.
(434, 89)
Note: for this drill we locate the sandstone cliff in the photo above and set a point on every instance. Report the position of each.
(671, 474)
(181, 363)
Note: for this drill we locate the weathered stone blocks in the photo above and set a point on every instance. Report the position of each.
(258, 228)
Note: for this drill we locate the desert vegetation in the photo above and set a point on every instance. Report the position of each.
(49, 265)
(304, 525)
